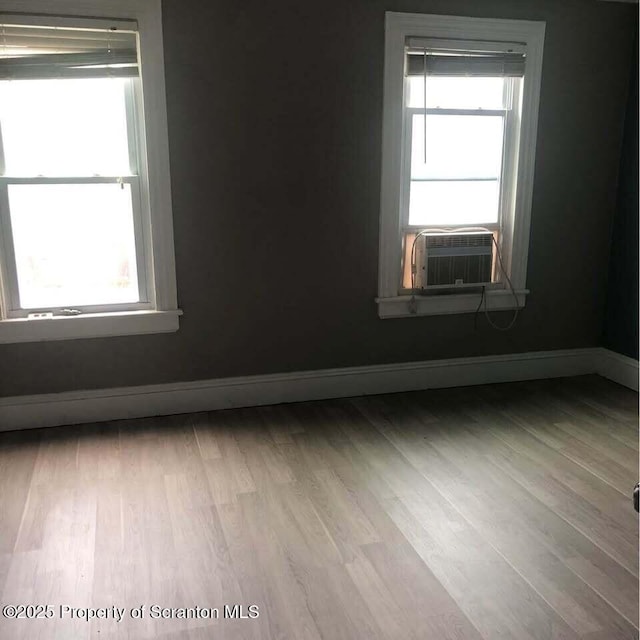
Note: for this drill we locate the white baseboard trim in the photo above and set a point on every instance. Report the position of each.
(48, 410)
(619, 368)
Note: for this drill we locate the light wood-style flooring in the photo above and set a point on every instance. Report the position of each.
(495, 512)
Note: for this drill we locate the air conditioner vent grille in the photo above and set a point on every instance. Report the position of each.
(455, 259)
(458, 240)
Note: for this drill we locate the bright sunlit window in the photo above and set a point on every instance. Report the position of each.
(65, 128)
(456, 181)
(74, 244)
(460, 112)
(86, 245)
(72, 203)
(458, 102)
(74, 240)
(71, 218)
(456, 164)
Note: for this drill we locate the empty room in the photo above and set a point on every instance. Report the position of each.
(319, 321)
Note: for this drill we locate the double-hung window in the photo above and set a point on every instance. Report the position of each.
(85, 224)
(460, 112)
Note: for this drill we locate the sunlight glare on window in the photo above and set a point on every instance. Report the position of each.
(457, 147)
(64, 127)
(459, 182)
(453, 203)
(74, 244)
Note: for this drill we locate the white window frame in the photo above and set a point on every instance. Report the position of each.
(516, 209)
(158, 310)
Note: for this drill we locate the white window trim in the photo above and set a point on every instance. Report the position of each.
(398, 27)
(88, 325)
(164, 316)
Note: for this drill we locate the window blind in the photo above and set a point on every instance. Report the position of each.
(36, 52)
(459, 58)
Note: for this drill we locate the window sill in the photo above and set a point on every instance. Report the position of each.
(94, 325)
(496, 300)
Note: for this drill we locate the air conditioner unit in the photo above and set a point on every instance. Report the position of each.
(445, 260)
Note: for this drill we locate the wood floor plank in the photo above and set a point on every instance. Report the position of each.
(17, 463)
(595, 462)
(453, 466)
(533, 419)
(57, 458)
(426, 605)
(281, 422)
(282, 561)
(468, 557)
(603, 443)
(379, 599)
(109, 574)
(591, 521)
(247, 569)
(580, 407)
(606, 396)
(494, 607)
(206, 437)
(593, 565)
(499, 511)
(98, 456)
(580, 496)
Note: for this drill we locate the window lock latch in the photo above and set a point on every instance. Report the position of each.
(70, 312)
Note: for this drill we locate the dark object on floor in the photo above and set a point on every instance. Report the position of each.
(636, 497)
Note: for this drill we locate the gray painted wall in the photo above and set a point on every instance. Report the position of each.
(621, 320)
(275, 113)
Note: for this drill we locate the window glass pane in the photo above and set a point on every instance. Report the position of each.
(74, 244)
(64, 127)
(453, 202)
(456, 92)
(457, 147)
